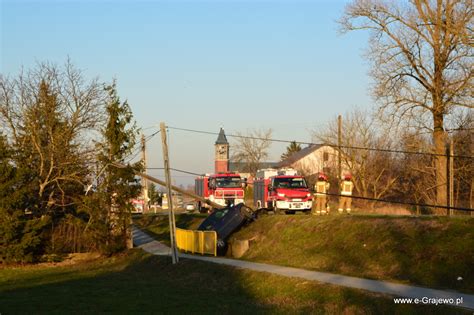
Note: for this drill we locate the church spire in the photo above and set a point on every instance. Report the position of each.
(222, 139)
(221, 153)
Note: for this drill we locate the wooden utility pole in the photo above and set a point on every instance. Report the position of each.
(471, 195)
(339, 144)
(144, 180)
(174, 250)
(448, 199)
(451, 176)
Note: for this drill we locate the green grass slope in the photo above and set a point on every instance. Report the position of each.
(431, 251)
(427, 251)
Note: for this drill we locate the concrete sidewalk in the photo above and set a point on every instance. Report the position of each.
(142, 240)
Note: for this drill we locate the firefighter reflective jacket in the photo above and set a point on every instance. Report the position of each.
(346, 188)
(321, 187)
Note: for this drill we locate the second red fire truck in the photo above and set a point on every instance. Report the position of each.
(225, 189)
(282, 190)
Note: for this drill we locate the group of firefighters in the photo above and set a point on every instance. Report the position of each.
(321, 189)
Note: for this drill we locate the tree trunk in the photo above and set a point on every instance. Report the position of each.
(439, 140)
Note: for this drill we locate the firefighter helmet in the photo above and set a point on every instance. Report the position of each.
(347, 176)
(322, 176)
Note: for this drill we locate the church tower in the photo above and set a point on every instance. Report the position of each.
(221, 153)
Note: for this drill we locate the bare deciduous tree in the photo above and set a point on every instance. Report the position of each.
(372, 171)
(50, 115)
(463, 140)
(422, 61)
(252, 148)
(416, 171)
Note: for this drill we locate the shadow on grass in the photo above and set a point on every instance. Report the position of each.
(138, 283)
(148, 284)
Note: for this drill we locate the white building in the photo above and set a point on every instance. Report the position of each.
(314, 159)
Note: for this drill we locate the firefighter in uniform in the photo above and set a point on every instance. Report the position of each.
(346, 192)
(321, 188)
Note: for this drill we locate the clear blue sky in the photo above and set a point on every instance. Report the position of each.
(201, 64)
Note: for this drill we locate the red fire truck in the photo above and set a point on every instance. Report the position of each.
(281, 190)
(224, 189)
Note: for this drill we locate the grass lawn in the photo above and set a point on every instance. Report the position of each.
(136, 282)
(427, 251)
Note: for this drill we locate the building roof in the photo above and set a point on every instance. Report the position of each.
(243, 167)
(300, 154)
(221, 139)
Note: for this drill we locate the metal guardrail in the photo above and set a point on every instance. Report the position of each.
(202, 242)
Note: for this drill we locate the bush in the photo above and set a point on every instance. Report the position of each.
(22, 239)
(69, 236)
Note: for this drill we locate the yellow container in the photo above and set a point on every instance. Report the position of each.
(193, 241)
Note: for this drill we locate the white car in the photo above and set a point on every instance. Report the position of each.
(190, 207)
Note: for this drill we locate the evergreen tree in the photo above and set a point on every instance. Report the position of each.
(293, 147)
(153, 194)
(50, 116)
(110, 207)
(21, 236)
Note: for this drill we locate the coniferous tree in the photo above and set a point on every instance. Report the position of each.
(153, 194)
(51, 117)
(292, 148)
(110, 207)
(21, 236)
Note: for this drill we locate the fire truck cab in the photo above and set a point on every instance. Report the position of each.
(225, 189)
(282, 190)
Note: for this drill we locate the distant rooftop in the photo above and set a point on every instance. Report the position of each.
(299, 155)
(242, 167)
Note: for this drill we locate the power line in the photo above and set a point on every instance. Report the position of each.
(174, 169)
(321, 144)
(402, 202)
(459, 129)
(397, 202)
(237, 136)
(346, 147)
(151, 136)
(148, 128)
(354, 197)
(135, 154)
(137, 151)
(181, 176)
(186, 172)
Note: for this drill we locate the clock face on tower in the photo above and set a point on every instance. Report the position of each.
(221, 149)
